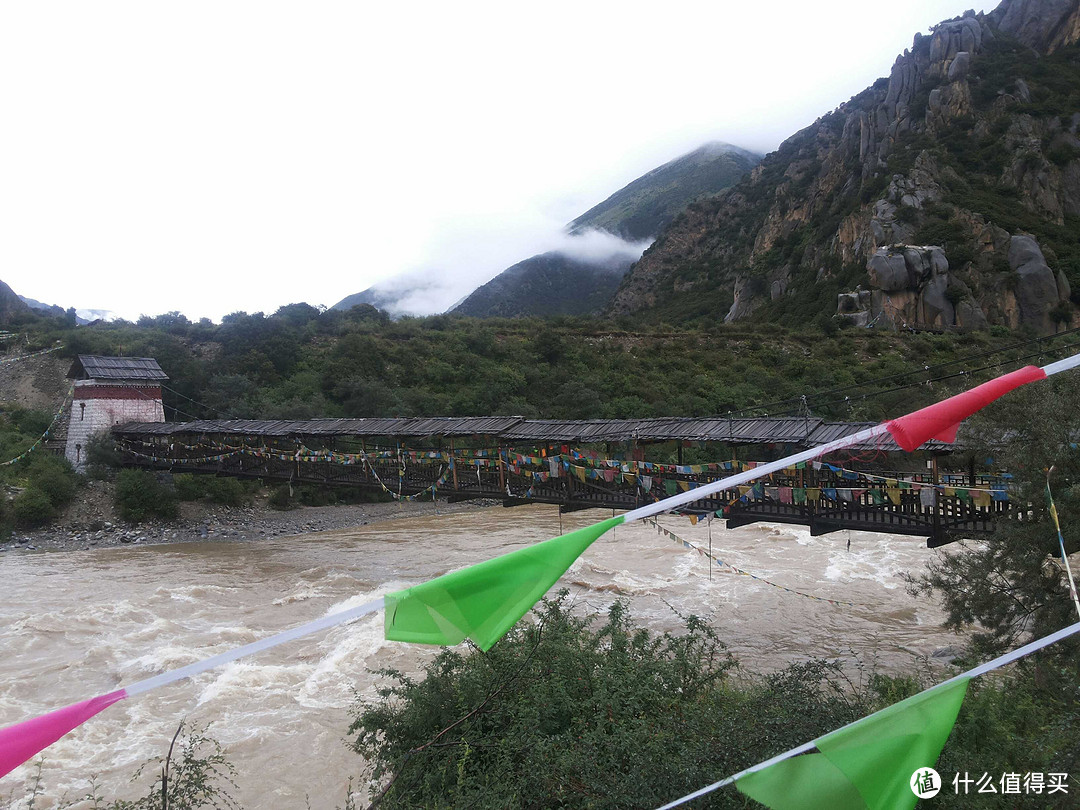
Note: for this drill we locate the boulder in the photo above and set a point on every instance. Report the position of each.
(959, 67)
(1036, 284)
(888, 271)
(936, 309)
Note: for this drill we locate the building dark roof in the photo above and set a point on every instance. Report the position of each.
(94, 367)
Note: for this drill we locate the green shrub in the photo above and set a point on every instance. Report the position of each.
(316, 496)
(954, 295)
(140, 496)
(102, 457)
(33, 508)
(566, 713)
(53, 476)
(226, 491)
(188, 487)
(280, 499)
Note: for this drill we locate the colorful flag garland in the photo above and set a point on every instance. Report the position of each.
(44, 436)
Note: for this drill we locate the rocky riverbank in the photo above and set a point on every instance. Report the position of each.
(91, 522)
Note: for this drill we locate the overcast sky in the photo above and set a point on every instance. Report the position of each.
(218, 156)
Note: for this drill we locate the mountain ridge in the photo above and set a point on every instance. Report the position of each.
(641, 208)
(568, 283)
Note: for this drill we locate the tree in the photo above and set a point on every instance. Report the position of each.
(1012, 585)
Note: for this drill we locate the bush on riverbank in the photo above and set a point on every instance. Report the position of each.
(222, 490)
(44, 483)
(140, 496)
(563, 713)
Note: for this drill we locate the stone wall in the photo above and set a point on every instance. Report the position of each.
(98, 406)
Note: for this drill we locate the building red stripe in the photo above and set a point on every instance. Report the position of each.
(116, 392)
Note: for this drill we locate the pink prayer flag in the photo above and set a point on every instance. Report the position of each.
(20, 742)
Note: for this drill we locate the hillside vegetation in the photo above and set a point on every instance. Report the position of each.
(302, 363)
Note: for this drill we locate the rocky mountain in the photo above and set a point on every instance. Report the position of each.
(11, 306)
(548, 284)
(641, 209)
(946, 195)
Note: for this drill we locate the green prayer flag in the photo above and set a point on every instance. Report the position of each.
(670, 486)
(867, 765)
(484, 601)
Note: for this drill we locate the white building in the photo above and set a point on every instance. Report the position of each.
(110, 391)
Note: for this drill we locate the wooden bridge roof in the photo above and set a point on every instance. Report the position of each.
(803, 431)
(413, 427)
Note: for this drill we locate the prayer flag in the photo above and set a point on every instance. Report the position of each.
(868, 764)
(484, 601)
(21, 741)
(941, 420)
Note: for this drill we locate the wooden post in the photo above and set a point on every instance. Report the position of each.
(454, 467)
(502, 468)
(937, 497)
(680, 450)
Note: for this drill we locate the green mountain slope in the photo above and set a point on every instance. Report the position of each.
(949, 192)
(548, 284)
(641, 209)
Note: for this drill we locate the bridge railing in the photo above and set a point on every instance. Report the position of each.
(820, 495)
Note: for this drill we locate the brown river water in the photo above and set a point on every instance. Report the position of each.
(77, 624)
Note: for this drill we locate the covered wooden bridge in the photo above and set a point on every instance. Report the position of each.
(584, 464)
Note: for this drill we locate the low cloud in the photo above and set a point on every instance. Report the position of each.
(595, 245)
(464, 267)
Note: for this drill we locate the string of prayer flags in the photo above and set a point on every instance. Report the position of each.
(48, 431)
(6, 360)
